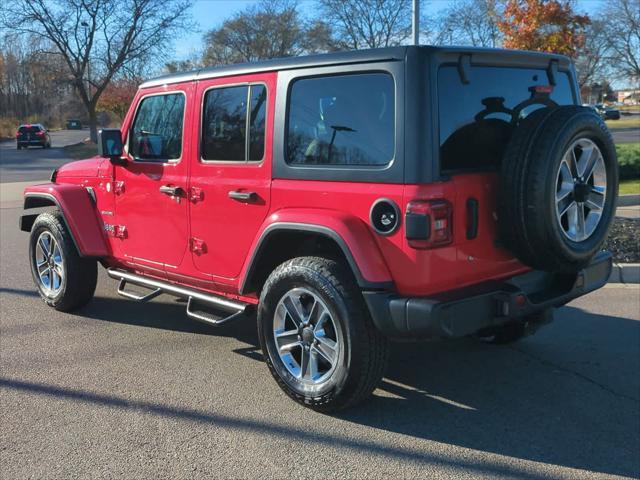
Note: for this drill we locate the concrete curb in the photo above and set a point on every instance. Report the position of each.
(625, 273)
(629, 200)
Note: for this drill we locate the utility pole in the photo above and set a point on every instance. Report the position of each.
(415, 22)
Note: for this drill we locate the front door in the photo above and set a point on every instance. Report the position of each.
(150, 190)
(231, 174)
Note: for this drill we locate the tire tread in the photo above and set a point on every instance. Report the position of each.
(372, 346)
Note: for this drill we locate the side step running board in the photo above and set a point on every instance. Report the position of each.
(207, 308)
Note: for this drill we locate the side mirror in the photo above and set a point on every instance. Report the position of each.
(110, 145)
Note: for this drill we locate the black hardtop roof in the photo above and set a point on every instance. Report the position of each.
(388, 54)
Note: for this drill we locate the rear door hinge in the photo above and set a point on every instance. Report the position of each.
(196, 194)
(197, 246)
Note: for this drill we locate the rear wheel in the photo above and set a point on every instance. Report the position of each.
(64, 280)
(316, 335)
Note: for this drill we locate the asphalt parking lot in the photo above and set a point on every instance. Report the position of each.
(130, 390)
(34, 163)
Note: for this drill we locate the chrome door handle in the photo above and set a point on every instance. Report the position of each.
(172, 191)
(243, 196)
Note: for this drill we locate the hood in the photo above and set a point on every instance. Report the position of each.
(81, 168)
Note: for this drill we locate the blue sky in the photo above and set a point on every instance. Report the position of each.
(210, 13)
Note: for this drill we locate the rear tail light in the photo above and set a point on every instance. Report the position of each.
(40, 134)
(428, 224)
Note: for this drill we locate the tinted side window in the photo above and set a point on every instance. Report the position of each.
(342, 120)
(156, 133)
(476, 118)
(257, 112)
(224, 123)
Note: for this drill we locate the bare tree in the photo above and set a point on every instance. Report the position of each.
(361, 24)
(98, 39)
(469, 22)
(593, 60)
(33, 86)
(270, 29)
(623, 28)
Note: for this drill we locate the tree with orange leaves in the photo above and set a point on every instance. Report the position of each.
(543, 25)
(117, 97)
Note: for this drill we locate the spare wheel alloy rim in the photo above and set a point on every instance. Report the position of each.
(581, 190)
(49, 263)
(307, 337)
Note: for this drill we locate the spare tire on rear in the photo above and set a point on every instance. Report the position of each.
(559, 184)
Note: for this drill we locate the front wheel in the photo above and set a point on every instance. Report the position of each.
(316, 335)
(64, 279)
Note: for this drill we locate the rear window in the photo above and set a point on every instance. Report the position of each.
(476, 118)
(31, 129)
(342, 120)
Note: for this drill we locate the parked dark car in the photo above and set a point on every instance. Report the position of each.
(607, 113)
(74, 125)
(611, 113)
(33, 135)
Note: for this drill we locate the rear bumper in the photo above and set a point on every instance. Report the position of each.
(463, 312)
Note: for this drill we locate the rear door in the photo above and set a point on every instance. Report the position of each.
(231, 173)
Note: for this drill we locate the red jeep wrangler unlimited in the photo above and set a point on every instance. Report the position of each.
(347, 198)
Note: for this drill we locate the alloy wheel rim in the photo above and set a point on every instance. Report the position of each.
(306, 336)
(49, 263)
(581, 188)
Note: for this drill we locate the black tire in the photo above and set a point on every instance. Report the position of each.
(527, 209)
(19, 147)
(363, 350)
(80, 274)
(511, 198)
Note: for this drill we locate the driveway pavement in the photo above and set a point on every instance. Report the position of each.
(626, 135)
(36, 163)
